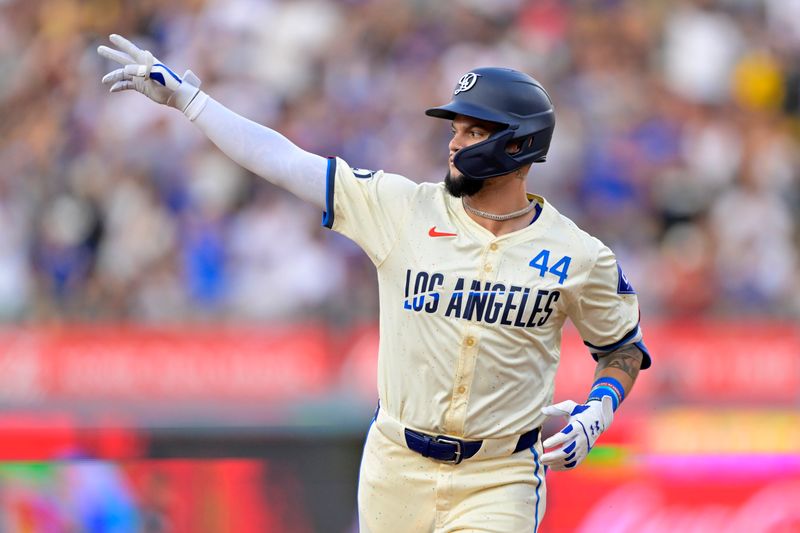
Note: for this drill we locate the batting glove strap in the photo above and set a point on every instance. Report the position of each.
(574, 442)
(188, 98)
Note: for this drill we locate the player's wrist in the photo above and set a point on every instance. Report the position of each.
(607, 386)
(196, 105)
(187, 97)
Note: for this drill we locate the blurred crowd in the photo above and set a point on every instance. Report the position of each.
(677, 143)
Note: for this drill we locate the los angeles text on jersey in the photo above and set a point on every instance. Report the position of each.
(482, 301)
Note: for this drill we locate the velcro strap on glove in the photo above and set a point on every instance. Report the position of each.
(188, 98)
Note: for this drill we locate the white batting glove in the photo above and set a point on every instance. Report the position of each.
(144, 73)
(586, 423)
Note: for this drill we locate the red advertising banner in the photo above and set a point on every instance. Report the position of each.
(704, 362)
(156, 364)
(708, 362)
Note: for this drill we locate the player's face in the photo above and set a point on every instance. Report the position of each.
(466, 131)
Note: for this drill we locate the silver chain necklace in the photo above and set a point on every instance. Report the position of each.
(500, 218)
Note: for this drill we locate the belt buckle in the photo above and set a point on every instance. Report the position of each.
(458, 444)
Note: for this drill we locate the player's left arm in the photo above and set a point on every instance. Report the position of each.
(606, 313)
(615, 374)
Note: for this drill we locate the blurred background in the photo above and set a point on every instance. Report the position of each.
(184, 348)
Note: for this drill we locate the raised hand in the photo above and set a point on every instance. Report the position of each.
(142, 72)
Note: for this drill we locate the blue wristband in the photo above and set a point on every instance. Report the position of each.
(606, 386)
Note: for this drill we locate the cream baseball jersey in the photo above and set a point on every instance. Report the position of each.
(470, 323)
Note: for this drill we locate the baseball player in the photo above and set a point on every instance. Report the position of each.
(476, 278)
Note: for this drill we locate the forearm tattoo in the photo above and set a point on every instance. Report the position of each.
(628, 359)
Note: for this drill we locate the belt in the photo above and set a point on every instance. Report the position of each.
(450, 449)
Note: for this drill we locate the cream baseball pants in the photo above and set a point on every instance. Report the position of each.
(399, 490)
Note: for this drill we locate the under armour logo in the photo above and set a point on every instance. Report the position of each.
(466, 82)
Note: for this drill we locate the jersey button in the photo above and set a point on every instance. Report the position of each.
(470, 341)
(493, 247)
(462, 389)
(487, 268)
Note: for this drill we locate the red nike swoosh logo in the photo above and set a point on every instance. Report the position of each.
(433, 233)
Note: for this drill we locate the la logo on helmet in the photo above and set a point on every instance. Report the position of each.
(466, 82)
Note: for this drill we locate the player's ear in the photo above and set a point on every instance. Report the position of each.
(513, 147)
(516, 146)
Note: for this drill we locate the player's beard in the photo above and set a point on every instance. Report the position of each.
(461, 185)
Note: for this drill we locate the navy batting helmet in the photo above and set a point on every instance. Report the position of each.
(511, 99)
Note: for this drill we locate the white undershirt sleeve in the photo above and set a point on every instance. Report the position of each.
(265, 152)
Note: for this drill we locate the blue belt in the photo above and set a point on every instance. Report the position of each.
(452, 450)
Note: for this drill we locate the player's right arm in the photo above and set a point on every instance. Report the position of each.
(257, 148)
